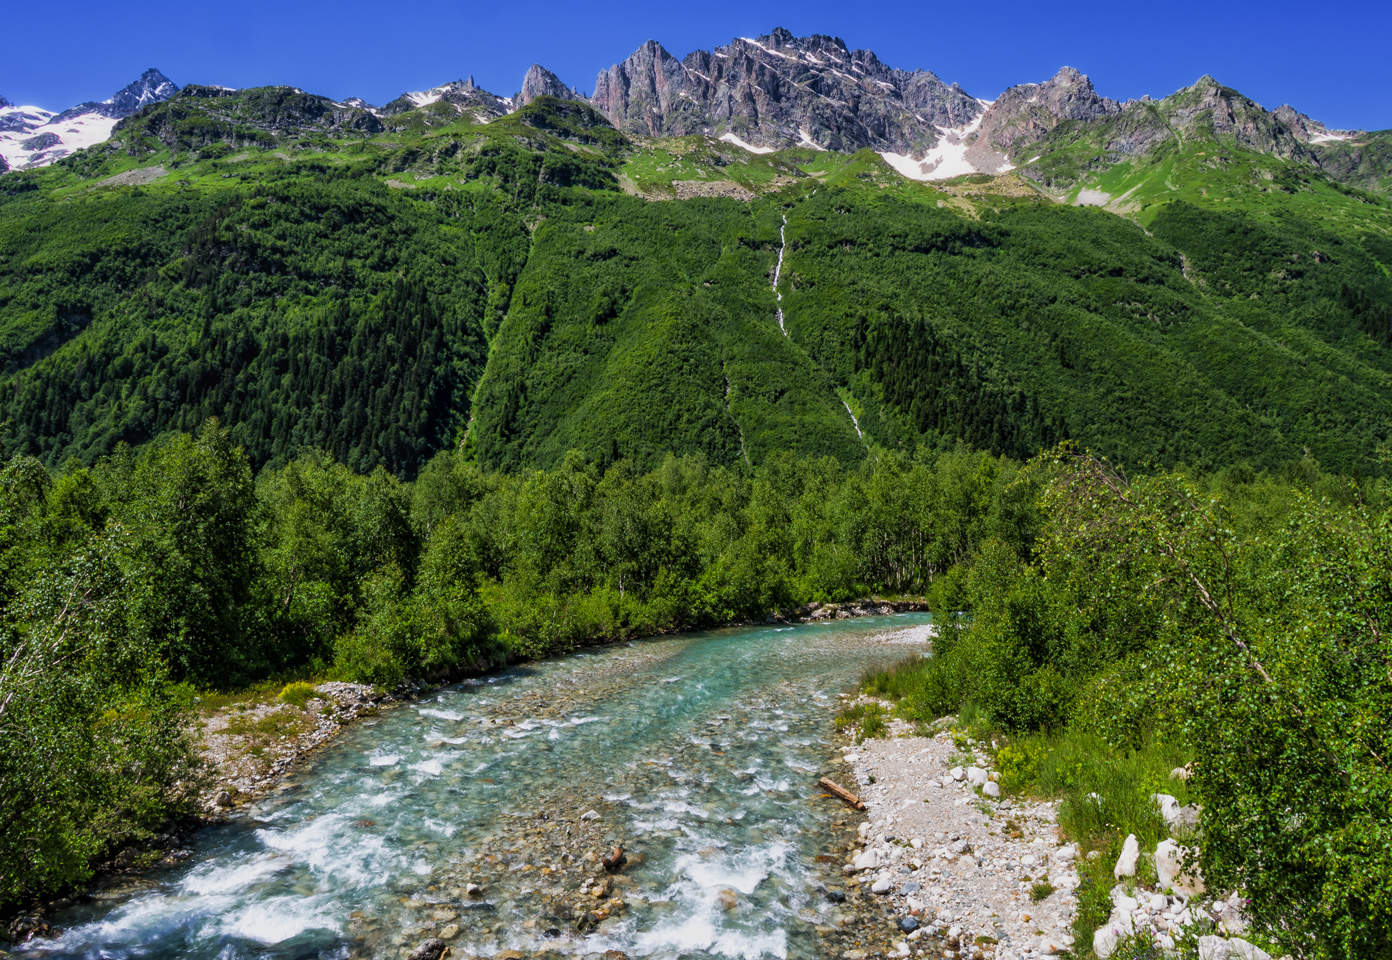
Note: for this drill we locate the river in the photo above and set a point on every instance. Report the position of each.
(699, 754)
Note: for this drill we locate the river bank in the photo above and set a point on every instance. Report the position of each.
(967, 872)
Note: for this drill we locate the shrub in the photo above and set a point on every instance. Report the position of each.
(298, 693)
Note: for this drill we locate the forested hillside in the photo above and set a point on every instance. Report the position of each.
(543, 283)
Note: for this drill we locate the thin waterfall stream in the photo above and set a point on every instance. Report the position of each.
(778, 271)
(479, 815)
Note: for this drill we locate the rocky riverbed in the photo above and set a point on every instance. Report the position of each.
(967, 872)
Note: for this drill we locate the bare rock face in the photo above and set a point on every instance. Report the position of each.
(1025, 114)
(779, 91)
(540, 82)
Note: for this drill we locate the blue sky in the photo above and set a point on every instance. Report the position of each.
(1329, 59)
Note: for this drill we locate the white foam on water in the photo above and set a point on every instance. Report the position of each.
(432, 767)
(383, 759)
(440, 714)
(743, 870)
(330, 847)
(699, 933)
(278, 919)
(441, 826)
(235, 876)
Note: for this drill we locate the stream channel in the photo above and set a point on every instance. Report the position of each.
(698, 753)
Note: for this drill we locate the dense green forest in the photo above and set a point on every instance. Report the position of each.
(532, 286)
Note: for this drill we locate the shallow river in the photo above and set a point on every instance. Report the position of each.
(699, 754)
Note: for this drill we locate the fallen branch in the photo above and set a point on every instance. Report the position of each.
(836, 790)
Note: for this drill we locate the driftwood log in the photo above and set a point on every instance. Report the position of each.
(836, 790)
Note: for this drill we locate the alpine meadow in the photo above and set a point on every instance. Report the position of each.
(430, 400)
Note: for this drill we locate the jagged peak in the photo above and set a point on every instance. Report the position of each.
(540, 82)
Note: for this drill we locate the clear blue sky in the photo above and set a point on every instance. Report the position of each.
(1330, 59)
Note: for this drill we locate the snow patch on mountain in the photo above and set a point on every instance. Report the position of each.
(947, 159)
(731, 138)
(34, 137)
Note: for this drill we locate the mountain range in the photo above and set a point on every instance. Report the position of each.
(780, 91)
(780, 245)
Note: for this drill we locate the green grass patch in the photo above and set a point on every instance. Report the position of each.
(298, 693)
(867, 719)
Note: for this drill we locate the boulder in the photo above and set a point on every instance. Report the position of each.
(976, 776)
(866, 860)
(1169, 807)
(991, 789)
(1169, 869)
(1233, 919)
(427, 950)
(957, 773)
(1105, 938)
(1130, 854)
(1216, 948)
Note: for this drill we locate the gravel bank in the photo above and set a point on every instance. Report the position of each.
(966, 874)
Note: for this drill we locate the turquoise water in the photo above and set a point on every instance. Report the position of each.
(699, 754)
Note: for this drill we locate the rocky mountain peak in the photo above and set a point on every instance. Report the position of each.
(463, 95)
(5, 103)
(152, 86)
(1026, 113)
(540, 82)
(780, 90)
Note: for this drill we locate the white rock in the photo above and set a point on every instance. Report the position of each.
(1169, 868)
(1130, 854)
(1234, 919)
(590, 815)
(991, 789)
(866, 860)
(916, 843)
(1246, 951)
(976, 776)
(1123, 902)
(1066, 853)
(1156, 902)
(864, 830)
(881, 884)
(1169, 807)
(1181, 773)
(1105, 938)
(1214, 948)
(958, 774)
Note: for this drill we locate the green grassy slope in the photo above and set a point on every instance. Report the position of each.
(541, 283)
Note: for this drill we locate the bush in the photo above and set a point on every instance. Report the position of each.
(298, 693)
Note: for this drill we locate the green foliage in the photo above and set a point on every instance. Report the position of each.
(1157, 624)
(867, 719)
(297, 693)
